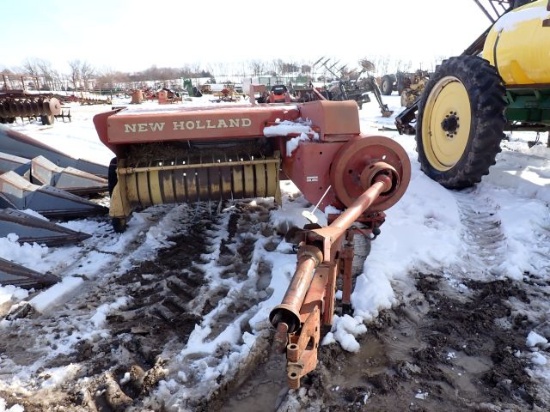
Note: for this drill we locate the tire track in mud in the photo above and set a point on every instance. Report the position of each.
(38, 341)
(486, 244)
(152, 309)
(483, 236)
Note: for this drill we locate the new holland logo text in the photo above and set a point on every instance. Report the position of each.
(188, 125)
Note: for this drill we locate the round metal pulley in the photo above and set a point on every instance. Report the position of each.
(358, 163)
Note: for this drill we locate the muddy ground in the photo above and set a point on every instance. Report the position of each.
(435, 352)
(443, 348)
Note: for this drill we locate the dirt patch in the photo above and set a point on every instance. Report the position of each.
(438, 351)
(444, 348)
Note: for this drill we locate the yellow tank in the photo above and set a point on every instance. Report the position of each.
(518, 44)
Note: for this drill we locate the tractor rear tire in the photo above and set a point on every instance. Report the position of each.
(386, 85)
(460, 122)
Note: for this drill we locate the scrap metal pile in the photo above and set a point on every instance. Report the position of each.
(40, 178)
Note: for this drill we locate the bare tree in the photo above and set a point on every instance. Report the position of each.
(51, 79)
(404, 66)
(111, 80)
(88, 73)
(382, 64)
(305, 69)
(75, 74)
(257, 67)
(81, 74)
(30, 66)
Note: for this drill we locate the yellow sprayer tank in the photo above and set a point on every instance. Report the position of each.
(518, 45)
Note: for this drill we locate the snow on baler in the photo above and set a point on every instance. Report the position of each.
(240, 151)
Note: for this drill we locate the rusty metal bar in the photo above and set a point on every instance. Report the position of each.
(382, 184)
(347, 254)
(310, 295)
(132, 170)
(333, 232)
(288, 312)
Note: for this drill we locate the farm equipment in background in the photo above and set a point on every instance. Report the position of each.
(84, 98)
(278, 93)
(400, 81)
(408, 85)
(349, 85)
(192, 91)
(168, 96)
(414, 89)
(18, 103)
(501, 82)
(226, 94)
(27, 97)
(220, 153)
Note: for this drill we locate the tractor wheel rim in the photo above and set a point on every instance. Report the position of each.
(446, 123)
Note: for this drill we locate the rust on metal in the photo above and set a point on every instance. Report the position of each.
(22, 104)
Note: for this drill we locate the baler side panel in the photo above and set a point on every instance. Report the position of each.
(309, 170)
(203, 125)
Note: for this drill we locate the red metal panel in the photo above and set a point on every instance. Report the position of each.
(309, 170)
(203, 123)
(335, 118)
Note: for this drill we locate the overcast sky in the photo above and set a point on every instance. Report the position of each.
(132, 35)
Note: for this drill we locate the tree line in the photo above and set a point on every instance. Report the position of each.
(82, 75)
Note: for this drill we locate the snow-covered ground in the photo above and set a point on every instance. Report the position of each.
(426, 228)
